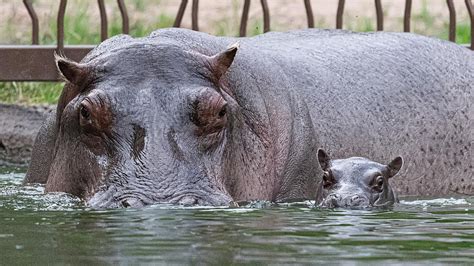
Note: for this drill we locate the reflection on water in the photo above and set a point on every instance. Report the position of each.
(56, 228)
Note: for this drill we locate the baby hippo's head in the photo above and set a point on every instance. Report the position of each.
(356, 182)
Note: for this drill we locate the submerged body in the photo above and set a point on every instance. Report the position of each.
(175, 117)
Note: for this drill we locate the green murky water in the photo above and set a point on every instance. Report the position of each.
(45, 229)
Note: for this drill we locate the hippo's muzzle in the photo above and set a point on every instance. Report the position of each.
(110, 199)
(335, 200)
(208, 200)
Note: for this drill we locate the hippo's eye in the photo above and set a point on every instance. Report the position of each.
(328, 181)
(223, 111)
(85, 113)
(94, 118)
(378, 183)
(209, 112)
(326, 177)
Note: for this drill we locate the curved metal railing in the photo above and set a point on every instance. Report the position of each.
(39, 65)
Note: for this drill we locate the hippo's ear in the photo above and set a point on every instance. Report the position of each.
(394, 166)
(71, 71)
(220, 63)
(76, 75)
(324, 160)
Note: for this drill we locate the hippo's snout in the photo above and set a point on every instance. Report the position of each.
(217, 199)
(358, 201)
(188, 201)
(335, 200)
(332, 201)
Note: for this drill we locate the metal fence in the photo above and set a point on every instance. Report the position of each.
(36, 63)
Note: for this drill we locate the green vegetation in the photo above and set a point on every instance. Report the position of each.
(78, 30)
(364, 25)
(30, 92)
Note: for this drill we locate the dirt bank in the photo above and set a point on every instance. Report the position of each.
(18, 128)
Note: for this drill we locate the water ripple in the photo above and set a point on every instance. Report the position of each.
(56, 228)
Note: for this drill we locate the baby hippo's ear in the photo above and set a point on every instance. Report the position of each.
(394, 166)
(324, 160)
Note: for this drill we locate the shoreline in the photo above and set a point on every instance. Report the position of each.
(19, 125)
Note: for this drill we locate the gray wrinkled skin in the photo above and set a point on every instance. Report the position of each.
(357, 182)
(370, 94)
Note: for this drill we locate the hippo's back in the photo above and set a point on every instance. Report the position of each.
(382, 95)
(377, 95)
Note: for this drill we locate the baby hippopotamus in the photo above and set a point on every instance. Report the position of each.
(356, 182)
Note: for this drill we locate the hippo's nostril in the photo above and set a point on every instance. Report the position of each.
(334, 196)
(132, 202)
(358, 201)
(332, 200)
(355, 198)
(125, 204)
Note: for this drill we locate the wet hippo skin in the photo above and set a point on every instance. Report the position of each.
(187, 118)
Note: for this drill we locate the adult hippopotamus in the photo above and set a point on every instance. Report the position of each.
(187, 118)
(356, 182)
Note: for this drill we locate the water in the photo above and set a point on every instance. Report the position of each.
(46, 229)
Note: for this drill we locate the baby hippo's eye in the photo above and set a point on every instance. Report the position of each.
(328, 181)
(378, 183)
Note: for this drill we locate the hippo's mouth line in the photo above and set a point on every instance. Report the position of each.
(176, 200)
(191, 199)
(372, 202)
(385, 204)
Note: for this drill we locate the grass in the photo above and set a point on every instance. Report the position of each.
(29, 93)
(78, 30)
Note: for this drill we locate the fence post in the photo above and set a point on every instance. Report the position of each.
(470, 11)
(194, 15)
(407, 16)
(379, 13)
(103, 20)
(124, 14)
(340, 13)
(452, 21)
(60, 26)
(266, 16)
(34, 21)
(309, 13)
